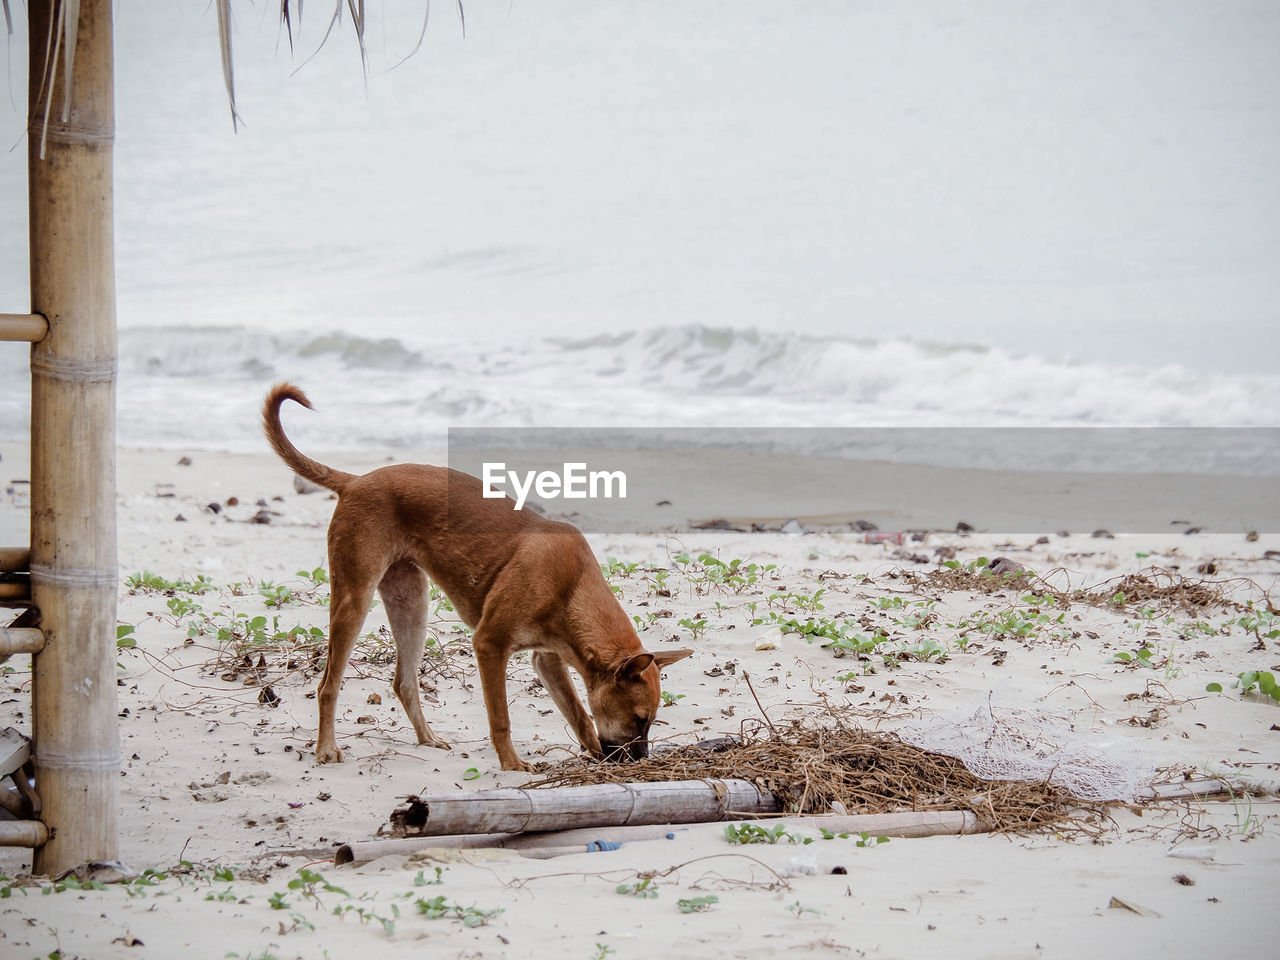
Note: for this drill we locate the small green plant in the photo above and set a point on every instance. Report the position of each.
(182, 607)
(308, 881)
(125, 640)
(602, 952)
(1140, 657)
(276, 595)
(669, 699)
(148, 582)
(318, 577)
(420, 878)
(613, 567)
(753, 833)
(365, 914)
(72, 883)
(697, 904)
(695, 627)
(148, 878)
(1264, 681)
(798, 910)
(440, 908)
(644, 889)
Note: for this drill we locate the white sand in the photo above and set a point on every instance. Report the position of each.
(214, 777)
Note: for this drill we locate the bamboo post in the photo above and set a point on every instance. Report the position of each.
(70, 131)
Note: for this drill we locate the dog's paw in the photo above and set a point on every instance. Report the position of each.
(328, 755)
(515, 763)
(435, 742)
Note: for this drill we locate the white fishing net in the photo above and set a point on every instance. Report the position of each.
(1014, 743)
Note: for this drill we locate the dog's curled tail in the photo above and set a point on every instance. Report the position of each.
(299, 462)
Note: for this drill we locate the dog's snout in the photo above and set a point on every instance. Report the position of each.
(620, 752)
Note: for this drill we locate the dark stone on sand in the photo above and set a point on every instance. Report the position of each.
(963, 527)
(1064, 533)
(180, 519)
(1251, 536)
(719, 523)
(1190, 530)
(1208, 567)
(1002, 566)
(1042, 540)
(213, 507)
(945, 552)
(1103, 535)
(233, 501)
(184, 462)
(862, 526)
(663, 503)
(262, 516)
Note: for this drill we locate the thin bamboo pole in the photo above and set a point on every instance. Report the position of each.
(20, 640)
(23, 833)
(591, 805)
(73, 537)
(28, 327)
(15, 593)
(907, 824)
(13, 559)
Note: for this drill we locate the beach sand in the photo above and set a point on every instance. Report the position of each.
(214, 776)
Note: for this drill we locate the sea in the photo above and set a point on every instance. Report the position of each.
(689, 215)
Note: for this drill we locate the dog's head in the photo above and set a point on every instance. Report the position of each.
(626, 701)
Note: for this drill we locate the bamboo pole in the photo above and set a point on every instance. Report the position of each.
(28, 327)
(23, 833)
(11, 801)
(20, 640)
(14, 559)
(912, 823)
(595, 805)
(15, 593)
(70, 131)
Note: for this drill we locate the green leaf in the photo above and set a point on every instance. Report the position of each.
(1214, 687)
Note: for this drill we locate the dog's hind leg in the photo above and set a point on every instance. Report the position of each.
(555, 677)
(404, 592)
(348, 605)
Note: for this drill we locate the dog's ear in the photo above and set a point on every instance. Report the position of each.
(631, 667)
(665, 658)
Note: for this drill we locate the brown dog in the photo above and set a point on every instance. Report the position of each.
(521, 582)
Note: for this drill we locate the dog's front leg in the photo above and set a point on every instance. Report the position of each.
(555, 677)
(491, 659)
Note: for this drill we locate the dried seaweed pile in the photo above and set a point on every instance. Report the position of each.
(1163, 591)
(811, 769)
